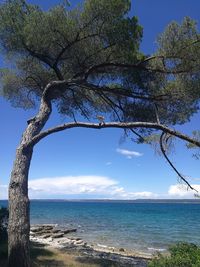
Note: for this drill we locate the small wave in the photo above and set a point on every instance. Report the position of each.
(157, 249)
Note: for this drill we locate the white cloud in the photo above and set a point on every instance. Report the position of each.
(120, 191)
(96, 186)
(129, 153)
(182, 191)
(93, 186)
(3, 191)
(71, 185)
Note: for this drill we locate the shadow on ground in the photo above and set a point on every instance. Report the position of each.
(97, 262)
(42, 257)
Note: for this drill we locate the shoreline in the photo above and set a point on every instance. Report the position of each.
(67, 241)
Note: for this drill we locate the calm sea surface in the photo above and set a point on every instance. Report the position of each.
(140, 226)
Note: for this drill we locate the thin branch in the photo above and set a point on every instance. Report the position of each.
(46, 59)
(122, 92)
(171, 164)
(68, 46)
(79, 106)
(156, 111)
(137, 134)
(116, 91)
(110, 103)
(122, 125)
(82, 73)
(138, 66)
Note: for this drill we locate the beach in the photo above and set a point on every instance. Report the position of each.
(59, 242)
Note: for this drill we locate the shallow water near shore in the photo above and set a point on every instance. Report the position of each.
(146, 227)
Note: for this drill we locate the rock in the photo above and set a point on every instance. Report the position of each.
(70, 231)
(55, 231)
(58, 235)
(80, 242)
(43, 232)
(48, 227)
(122, 250)
(46, 236)
(77, 238)
(36, 229)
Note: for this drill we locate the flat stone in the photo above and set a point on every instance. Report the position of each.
(77, 238)
(58, 235)
(46, 236)
(55, 231)
(79, 242)
(47, 227)
(43, 232)
(36, 229)
(70, 231)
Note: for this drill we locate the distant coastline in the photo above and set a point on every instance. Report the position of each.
(146, 201)
(165, 201)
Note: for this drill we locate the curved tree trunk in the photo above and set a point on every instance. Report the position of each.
(19, 223)
(19, 219)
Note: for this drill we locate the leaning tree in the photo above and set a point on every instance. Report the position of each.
(86, 63)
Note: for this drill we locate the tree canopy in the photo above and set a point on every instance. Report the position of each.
(63, 44)
(95, 50)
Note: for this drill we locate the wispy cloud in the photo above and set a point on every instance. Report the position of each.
(108, 163)
(182, 191)
(129, 153)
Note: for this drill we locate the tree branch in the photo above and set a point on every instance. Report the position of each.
(116, 91)
(171, 164)
(122, 125)
(138, 66)
(122, 92)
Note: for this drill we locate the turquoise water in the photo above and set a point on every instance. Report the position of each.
(139, 226)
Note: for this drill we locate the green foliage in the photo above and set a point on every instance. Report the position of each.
(181, 255)
(179, 54)
(63, 43)
(196, 136)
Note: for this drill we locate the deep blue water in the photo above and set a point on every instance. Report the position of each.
(140, 226)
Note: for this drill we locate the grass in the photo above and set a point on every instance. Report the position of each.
(41, 256)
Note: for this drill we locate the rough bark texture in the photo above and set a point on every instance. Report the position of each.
(19, 219)
(19, 224)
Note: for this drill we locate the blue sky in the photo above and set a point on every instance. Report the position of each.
(85, 163)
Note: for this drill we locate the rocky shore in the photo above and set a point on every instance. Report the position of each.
(67, 240)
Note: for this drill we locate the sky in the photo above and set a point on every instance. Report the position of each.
(85, 163)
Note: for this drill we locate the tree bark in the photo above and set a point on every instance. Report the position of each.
(19, 222)
(19, 214)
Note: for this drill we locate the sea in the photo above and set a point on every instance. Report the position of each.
(145, 226)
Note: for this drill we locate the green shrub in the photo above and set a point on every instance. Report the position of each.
(181, 255)
(3, 222)
(3, 232)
